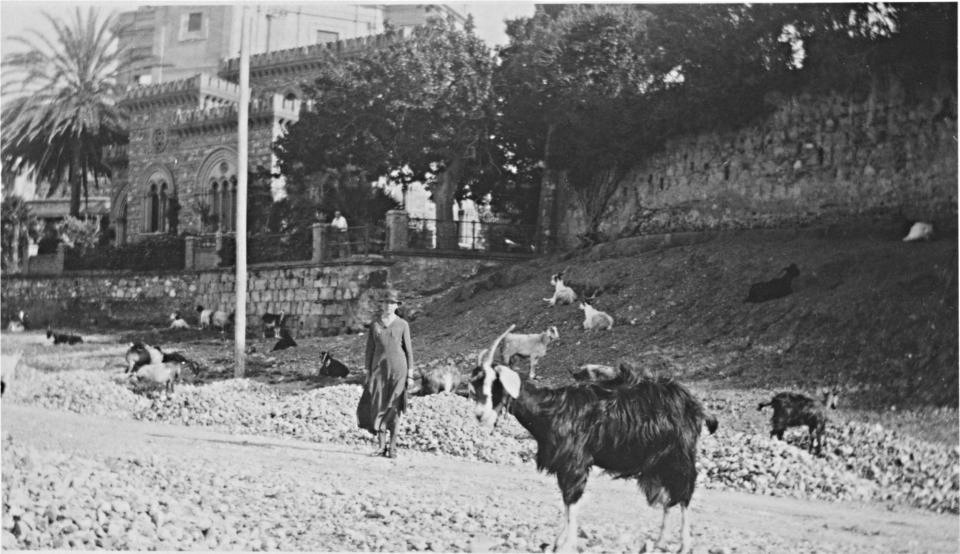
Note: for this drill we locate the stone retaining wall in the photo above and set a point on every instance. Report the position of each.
(327, 298)
(815, 160)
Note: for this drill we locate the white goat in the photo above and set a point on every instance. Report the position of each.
(561, 292)
(594, 319)
(919, 231)
(533, 346)
(164, 374)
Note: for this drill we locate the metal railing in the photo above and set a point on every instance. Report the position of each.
(474, 235)
(361, 239)
(267, 248)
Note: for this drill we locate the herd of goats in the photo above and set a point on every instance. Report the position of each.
(624, 421)
(627, 422)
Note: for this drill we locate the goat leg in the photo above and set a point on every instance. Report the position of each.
(685, 546)
(567, 539)
(662, 536)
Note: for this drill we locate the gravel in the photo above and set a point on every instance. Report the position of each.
(863, 462)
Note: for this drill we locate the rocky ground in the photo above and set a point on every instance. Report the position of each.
(876, 318)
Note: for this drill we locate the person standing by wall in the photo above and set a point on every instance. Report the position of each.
(389, 360)
(339, 226)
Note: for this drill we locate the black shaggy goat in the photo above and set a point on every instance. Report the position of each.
(64, 338)
(643, 429)
(791, 409)
(286, 341)
(332, 367)
(774, 288)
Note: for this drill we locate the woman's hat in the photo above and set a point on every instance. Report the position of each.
(391, 295)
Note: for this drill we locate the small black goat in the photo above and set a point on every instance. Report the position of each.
(64, 338)
(272, 323)
(331, 367)
(774, 288)
(286, 341)
(643, 429)
(792, 409)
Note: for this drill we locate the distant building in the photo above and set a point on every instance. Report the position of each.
(179, 170)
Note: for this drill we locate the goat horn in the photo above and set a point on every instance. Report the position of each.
(489, 363)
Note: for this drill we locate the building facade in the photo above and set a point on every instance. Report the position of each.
(179, 171)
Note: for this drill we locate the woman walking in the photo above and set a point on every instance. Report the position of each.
(389, 359)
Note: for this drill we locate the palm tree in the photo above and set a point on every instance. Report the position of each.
(61, 103)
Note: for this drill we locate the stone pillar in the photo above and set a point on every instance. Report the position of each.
(189, 252)
(319, 239)
(545, 212)
(61, 254)
(398, 222)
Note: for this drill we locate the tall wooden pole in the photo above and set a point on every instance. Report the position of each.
(243, 112)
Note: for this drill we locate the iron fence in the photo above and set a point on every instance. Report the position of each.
(160, 252)
(266, 248)
(475, 235)
(360, 239)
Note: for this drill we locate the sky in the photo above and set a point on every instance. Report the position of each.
(19, 16)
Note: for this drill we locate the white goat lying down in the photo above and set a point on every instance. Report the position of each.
(594, 318)
(919, 231)
(533, 346)
(177, 322)
(634, 428)
(561, 292)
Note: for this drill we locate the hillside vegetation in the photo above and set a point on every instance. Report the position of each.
(868, 312)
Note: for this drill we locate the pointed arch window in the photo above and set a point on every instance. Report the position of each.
(153, 209)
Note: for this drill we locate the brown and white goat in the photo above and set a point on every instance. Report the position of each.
(594, 319)
(561, 292)
(644, 429)
(532, 345)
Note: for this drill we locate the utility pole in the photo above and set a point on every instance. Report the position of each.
(269, 17)
(243, 113)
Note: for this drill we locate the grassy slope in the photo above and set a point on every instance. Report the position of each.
(875, 314)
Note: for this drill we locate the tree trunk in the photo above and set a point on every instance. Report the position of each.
(546, 208)
(443, 195)
(76, 186)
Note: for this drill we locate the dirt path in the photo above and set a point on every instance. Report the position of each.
(330, 497)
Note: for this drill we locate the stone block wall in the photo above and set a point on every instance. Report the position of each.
(815, 158)
(320, 299)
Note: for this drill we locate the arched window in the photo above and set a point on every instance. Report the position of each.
(164, 207)
(215, 207)
(153, 209)
(219, 173)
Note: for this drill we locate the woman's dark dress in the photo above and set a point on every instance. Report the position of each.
(388, 360)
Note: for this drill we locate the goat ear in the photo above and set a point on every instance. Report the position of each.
(510, 380)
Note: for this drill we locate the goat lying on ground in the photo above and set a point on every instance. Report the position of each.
(774, 288)
(140, 354)
(272, 324)
(64, 338)
(533, 346)
(177, 322)
(594, 372)
(164, 374)
(286, 341)
(19, 323)
(439, 379)
(561, 292)
(594, 319)
(645, 430)
(331, 367)
(919, 231)
(792, 409)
